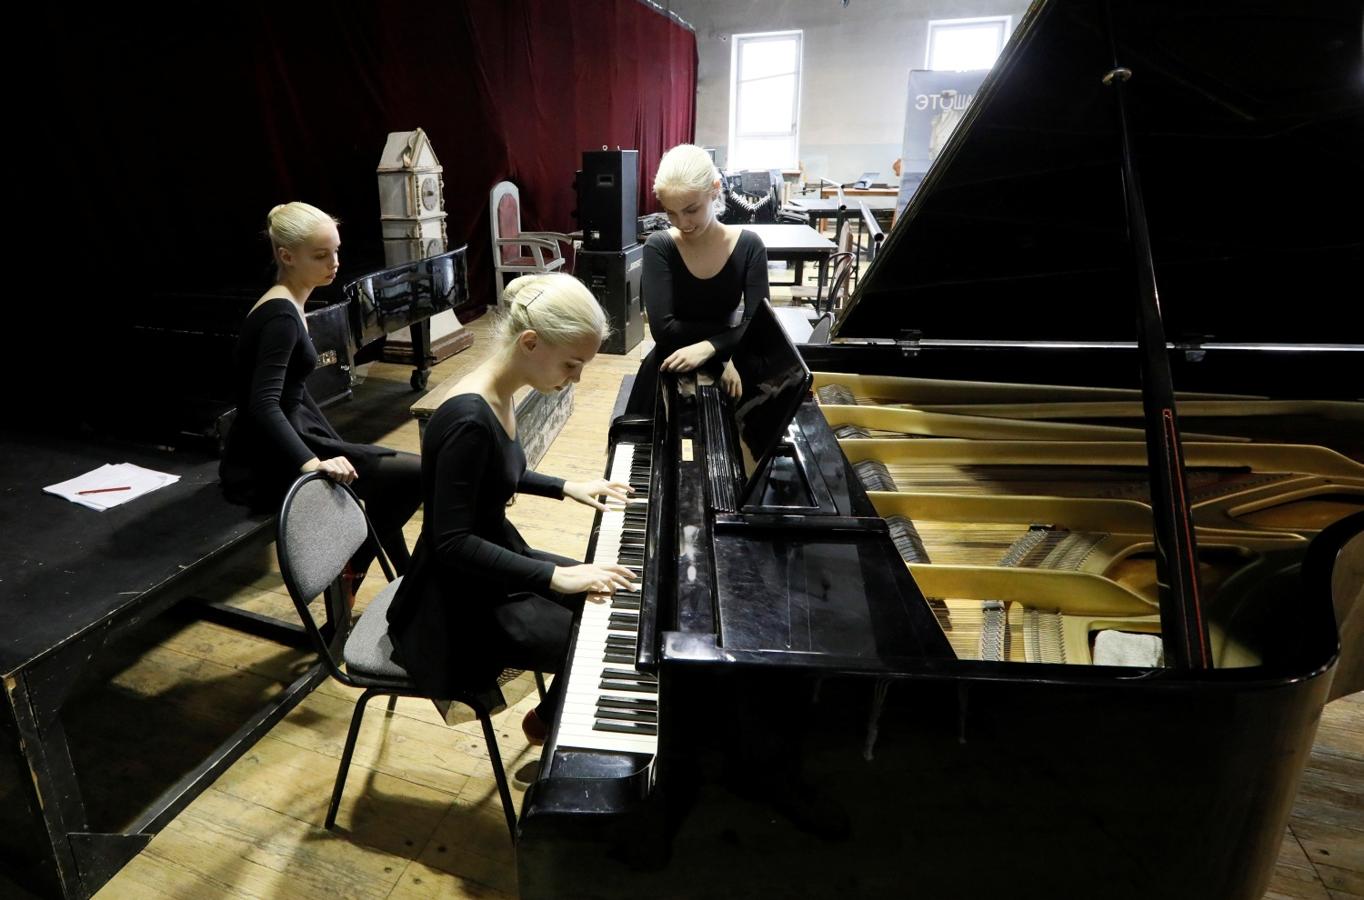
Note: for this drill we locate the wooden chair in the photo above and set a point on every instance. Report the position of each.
(517, 252)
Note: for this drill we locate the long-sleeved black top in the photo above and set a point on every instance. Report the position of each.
(469, 557)
(278, 426)
(684, 309)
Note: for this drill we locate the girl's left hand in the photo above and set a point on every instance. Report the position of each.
(731, 382)
(587, 492)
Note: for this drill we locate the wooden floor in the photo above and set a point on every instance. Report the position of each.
(421, 818)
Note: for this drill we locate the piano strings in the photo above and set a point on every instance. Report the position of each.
(961, 513)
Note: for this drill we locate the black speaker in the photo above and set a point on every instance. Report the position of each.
(607, 198)
(613, 277)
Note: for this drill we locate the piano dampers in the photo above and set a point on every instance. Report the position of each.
(874, 475)
(907, 540)
(1032, 547)
(1042, 636)
(994, 631)
(911, 549)
(836, 395)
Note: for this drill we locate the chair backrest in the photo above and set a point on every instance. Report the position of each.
(320, 526)
(504, 205)
(844, 238)
(841, 264)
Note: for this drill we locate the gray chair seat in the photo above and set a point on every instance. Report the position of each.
(369, 648)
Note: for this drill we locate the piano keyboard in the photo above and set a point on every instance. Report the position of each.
(608, 705)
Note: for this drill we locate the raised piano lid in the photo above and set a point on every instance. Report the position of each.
(393, 298)
(1250, 153)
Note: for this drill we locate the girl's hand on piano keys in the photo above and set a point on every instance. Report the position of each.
(731, 382)
(590, 578)
(587, 492)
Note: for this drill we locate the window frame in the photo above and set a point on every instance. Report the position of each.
(935, 24)
(735, 90)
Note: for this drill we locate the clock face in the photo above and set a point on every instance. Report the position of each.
(430, 192)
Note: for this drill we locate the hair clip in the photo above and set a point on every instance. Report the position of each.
(525, 303)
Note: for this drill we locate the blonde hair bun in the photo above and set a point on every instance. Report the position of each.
(686, 169)
(557, 307)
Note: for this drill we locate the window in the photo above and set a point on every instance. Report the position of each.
(963, 45)
(764, 101)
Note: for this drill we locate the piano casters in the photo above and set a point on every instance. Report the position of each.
(1182, 621)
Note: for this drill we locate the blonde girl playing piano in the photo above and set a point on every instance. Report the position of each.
(478, 598)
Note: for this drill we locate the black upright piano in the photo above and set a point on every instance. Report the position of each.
(1037, 592)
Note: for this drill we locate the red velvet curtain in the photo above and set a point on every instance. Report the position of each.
(158, 138)
(525, 87)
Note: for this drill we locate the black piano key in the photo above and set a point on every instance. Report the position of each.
(627, 715)
(627, 703)
(624, 727)
(630, 673)
(613, 684)
(618, 657)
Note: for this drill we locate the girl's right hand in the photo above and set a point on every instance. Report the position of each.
(338, 468)
(590, 578)
(688, 358)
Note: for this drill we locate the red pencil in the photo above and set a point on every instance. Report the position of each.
(105, 490)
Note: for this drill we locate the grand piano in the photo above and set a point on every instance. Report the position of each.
(1037, 590)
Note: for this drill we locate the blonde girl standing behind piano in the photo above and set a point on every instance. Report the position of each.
(702, 279)
(279, 432)
(477, 598)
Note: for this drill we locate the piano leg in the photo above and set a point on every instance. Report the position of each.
(421, 354)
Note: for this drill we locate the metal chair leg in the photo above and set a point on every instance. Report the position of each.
(508, 807)
(392, 704)
(346, 755)
(540, 684)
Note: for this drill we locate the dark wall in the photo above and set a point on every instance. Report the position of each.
(158, 137)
